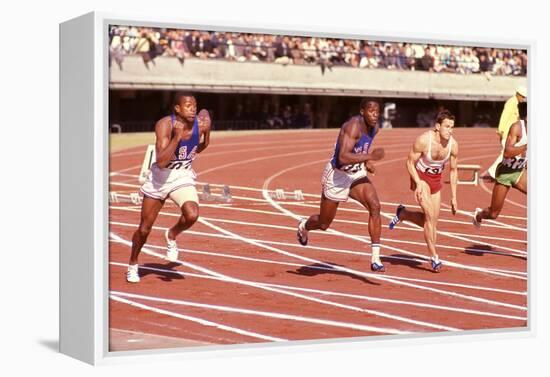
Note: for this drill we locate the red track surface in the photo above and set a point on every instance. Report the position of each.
(266, 284)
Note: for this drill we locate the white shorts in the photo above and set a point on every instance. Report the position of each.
(179, 185)
(336, 183)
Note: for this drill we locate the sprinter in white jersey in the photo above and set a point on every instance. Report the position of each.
(511, 171)
(345, 175)
(178, 141)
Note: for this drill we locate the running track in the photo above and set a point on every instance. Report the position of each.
(242, 277)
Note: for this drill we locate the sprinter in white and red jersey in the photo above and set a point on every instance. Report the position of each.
(427, 158)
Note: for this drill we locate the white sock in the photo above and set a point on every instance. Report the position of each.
(375, 250)
(303, 227)
(133, 267)
(436, 259)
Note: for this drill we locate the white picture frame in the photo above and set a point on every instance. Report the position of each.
(84, 295)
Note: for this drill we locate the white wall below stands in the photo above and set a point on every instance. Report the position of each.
(251, 77)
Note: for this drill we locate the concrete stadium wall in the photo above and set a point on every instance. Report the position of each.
(250, 77)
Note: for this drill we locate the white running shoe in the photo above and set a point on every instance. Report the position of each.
(477, 223)
(172, 248)
(132, 275)
(301, 233)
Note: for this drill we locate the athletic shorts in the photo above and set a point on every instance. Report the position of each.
(434, 181)
(336, 183)
(162, 183)
(507, 176)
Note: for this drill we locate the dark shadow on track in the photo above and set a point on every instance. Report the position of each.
(325, 268)
(161, 275)
(408, 261)
(481, 250)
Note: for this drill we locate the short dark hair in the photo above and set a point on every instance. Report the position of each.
(365, 102)
(442, 115)
(179, 95)
(522, 109)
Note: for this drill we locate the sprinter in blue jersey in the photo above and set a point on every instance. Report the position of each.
(179, 138)
(345, 175)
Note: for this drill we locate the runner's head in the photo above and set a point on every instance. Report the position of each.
(370, 111)
(444, 124)
(185, 105)
(521, 94)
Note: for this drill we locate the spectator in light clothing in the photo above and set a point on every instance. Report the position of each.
(260, 48)
(310, 51)
(324, 55)
(116, 49)
(146, 47)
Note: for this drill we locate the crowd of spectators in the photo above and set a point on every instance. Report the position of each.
(325, 52)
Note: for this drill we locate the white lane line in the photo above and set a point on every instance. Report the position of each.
(115, 173)
(413, 229)
(310, 142)
(337, 294)
(230, 207)
(422, 259)
(390, 215)
(308, 152)
(271, 157)
(316, 205)
(296, 295)
(317, 196)
(361, 237)
(455, 236)
(498, 224)
(290, 317)
(366, 238)
(490, 192)
(118, 174)
(364, 274)
(115, 296)
(291, 214)
(312, 151)
(345, 251)
(269, 261)
(300, 204)
(124, 154)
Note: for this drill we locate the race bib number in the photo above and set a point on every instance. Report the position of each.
(434, 170)
(176, 165)
(516, 163)
(351, 169)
